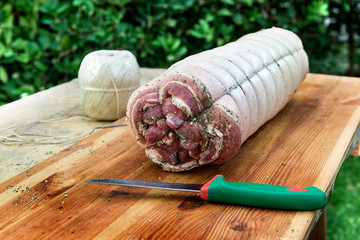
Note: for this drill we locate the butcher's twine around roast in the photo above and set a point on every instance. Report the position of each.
(203, 108)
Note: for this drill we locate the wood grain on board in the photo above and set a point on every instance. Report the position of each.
(305, 144)
(38, 126)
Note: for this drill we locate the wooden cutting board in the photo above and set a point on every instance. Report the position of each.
(305, 144)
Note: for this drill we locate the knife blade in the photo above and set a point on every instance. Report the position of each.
(146, 184)
(241, 193)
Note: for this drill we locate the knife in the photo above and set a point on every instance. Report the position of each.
(249, 194)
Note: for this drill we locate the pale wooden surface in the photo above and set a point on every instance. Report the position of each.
(49, 117)
(305, 144)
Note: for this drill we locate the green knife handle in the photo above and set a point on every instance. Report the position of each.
(263, 195)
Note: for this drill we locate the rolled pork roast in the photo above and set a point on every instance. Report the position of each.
(203, 108)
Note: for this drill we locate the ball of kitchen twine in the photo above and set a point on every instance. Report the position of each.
(106, 80)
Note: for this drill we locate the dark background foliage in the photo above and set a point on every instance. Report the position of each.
(42, 42)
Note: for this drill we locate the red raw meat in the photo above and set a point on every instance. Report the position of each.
(203, 108)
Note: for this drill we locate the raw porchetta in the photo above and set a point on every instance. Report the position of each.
(204, 107)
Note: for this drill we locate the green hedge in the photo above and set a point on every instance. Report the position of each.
(42, 42)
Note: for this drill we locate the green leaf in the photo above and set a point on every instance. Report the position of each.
(238, 19)
(171, 23)
(86, 5)
(324, 10)
(63, 7)
(47, 20)
(175, 45)
(181, 5)
(204, 25)
(48, 6)
(4, 78)
(59, 27)
(19, 44)
(228, 2)
(23, 57)
(249, 3)
(209, 17)
(170, 57)
(40, 65)
(224, 12)
(3, 98)
(89, 8)
(195, 33)
(33, 50)
(318, 10)
(78, 2)
(26, 88)
(181, 51)
(8, 35)
(2, 49)
(346, 7)
(45, 39)
(101, 33)
(8, 53)
(5, 14)
(8, 22)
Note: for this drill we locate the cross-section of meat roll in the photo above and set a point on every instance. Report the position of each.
(204, 107)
